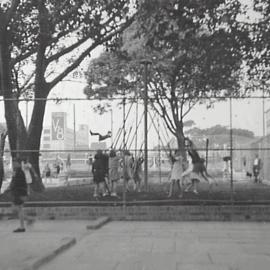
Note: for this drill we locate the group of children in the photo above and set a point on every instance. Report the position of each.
(107, 170)
(190, 172)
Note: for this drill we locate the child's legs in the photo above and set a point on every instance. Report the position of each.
(96, 189)
(189, 185)
(113, 186)
(102, 186)
(179, 183)
(171, 187)
(138, 185)
(17, 210)
(21, 215)
(195, 184)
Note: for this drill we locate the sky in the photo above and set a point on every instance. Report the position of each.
(246, 114)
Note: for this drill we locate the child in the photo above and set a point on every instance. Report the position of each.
(99, 169)
(137, 172)
(176, 173)
(101, 137)
(127, 167)
(114, 174)
(196, 170)
(18, 188)
(27, 167)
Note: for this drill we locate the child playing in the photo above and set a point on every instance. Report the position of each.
(99, 170)
(18, 189)
(114, 174)
(27, 167)
(176, 173)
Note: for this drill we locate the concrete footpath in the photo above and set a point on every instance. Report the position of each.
(133, 245)
(41, 242)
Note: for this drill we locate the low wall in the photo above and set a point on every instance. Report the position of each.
(144, 211)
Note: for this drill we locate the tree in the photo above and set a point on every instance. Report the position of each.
(38, 37)
(196, 49)
(258, 58)
(3, 135)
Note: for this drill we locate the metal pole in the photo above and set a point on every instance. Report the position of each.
(111, 127)
(263, 140)
(74, 128)
(17, 132)
(159, 151)
(231, 151)
(124, 148)
(136, 130)
(145, 63)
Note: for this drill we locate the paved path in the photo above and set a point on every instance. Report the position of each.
(170, 245)
(41, 242)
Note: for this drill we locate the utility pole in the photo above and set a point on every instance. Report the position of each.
(145, 63)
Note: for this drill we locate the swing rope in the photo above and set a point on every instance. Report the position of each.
(114, 145)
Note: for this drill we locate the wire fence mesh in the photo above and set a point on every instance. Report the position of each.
(228, 133)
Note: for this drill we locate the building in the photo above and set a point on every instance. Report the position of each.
(60, 140)
(60, 137)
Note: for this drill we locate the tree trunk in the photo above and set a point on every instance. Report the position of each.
(34, 135)
(15, 125)
(181, 139)
(2, 148)
(16, 129)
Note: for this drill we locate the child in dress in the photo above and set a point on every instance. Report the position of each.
(176, 173)
(114, 175)
(27, 167)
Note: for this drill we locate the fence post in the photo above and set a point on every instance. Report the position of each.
(231, 152)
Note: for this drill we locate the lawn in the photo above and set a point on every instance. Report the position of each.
(243, 192)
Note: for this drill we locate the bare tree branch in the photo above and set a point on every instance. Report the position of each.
(86, 52)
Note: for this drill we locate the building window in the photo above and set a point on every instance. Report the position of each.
(46, 146)
(46, 138)
(46, 131)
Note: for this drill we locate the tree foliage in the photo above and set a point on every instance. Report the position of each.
(196, 49)
(220, 130)
(41, 42)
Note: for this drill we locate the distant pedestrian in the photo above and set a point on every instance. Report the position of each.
(257, 166)
(99, 169)
(47, 173)
(226, 169)
(68, 162)
(114, 174)
(176, 173)
(57, 169)
(18, 189)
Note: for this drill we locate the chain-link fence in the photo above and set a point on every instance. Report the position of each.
(232, 135)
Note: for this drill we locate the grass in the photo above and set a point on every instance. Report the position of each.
(243, 191)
